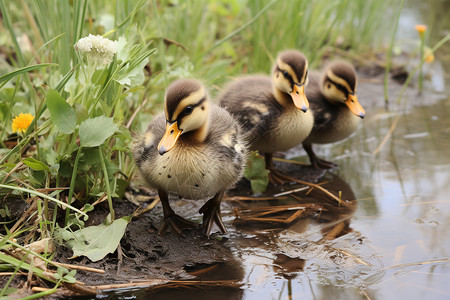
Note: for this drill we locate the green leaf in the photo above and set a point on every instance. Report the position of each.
(257, 173)
(95, 242)
(94, 132)
(9, 76)
(36, 164)
(70, 277)
(259, 185)
(81, 111)
(61, 113)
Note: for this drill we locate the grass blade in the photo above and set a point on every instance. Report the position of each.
(5, 78)
(35, 193)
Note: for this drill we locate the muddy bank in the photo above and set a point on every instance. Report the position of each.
(146, 255)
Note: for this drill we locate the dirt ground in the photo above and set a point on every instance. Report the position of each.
(147, 255)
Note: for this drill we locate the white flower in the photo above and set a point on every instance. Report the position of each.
(97, 49)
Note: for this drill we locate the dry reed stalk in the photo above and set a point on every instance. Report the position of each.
(331, 235)
(51, 189)
(28, 212)
(365, 294)
(202, 271)
(135, 113)
(100, 200)
(280, 219)
(20, 164)
(355, 258)
(419, 263)
(388, 135)
(291, 191)
(83, 268)
(149, 207)
(244, 198)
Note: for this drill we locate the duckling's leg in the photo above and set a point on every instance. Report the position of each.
(276, 177)
(317, 162)
(172, 221)
(211, 214)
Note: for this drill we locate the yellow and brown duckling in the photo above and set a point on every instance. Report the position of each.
(273, 109)
(337, 112)
(195, 150)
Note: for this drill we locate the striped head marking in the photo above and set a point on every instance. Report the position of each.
(186, 109)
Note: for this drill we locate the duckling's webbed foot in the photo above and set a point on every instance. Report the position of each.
(317, 162)
(176, 224)
(211, 214)
(171, 221)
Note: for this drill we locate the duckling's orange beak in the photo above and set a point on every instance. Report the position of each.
(354, 106)
(170, 137)
(299, 97)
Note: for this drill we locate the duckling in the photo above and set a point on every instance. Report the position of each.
(273, 109)
(337, 112)
(195, 150)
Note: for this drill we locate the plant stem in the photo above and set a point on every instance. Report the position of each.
(421, 59)
(108, 189)
(36, 193)
(72, 183)
(389, 53)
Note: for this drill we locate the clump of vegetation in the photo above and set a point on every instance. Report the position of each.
(77, 77)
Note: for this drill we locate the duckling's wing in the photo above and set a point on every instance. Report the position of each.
(226, 135)
(251, 101)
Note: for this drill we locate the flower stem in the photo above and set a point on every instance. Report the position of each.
(422, 50)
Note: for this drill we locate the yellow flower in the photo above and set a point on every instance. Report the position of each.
(421, 28)
(21, 122)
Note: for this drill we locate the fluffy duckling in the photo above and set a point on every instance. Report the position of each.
(337, 112)
(273, 109)
(195, 150)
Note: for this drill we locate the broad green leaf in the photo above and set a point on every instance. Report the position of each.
(257, 173)
(94, 132)
(61, 113)
(95, 242)
(132, 76)
(36, 164)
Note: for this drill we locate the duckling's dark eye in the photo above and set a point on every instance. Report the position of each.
(188, 109)
(285, 73)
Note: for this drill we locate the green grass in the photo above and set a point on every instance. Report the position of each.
(41, 73)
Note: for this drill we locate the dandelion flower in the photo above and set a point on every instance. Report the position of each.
(22, 122)
(97, 49)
